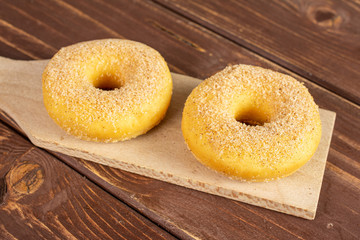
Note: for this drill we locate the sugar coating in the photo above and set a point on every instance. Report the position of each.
(142, 78)
(261, 152)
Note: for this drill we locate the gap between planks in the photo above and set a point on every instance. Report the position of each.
(255, 50)
(177, 13)
(82, 171)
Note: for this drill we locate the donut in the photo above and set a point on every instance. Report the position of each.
(251, 123)
(107, 90)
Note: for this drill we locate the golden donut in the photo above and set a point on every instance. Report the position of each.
(251, 123)
(107, 90)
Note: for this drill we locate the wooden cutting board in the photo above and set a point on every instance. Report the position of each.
(161, 153)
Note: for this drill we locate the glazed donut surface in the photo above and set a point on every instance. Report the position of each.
(107, 90)
(251, 123)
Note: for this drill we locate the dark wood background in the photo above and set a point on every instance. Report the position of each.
(47, 195)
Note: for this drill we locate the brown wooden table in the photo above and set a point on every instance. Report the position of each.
(46, 195)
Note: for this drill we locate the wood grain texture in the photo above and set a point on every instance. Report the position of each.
(319, 40)
(193, 50)
(42, 198)
(210, 217)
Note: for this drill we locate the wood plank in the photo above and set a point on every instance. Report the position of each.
(18, 25)
(42, 198)
(319, 39)
(34, 47)
(193, 50)
(211, 217)
(13, 53)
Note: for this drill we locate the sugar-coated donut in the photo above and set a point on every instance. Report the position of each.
(107, 90)
(251, 123)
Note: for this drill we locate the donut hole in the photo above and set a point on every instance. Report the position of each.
(107, 82)
(253, 117)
